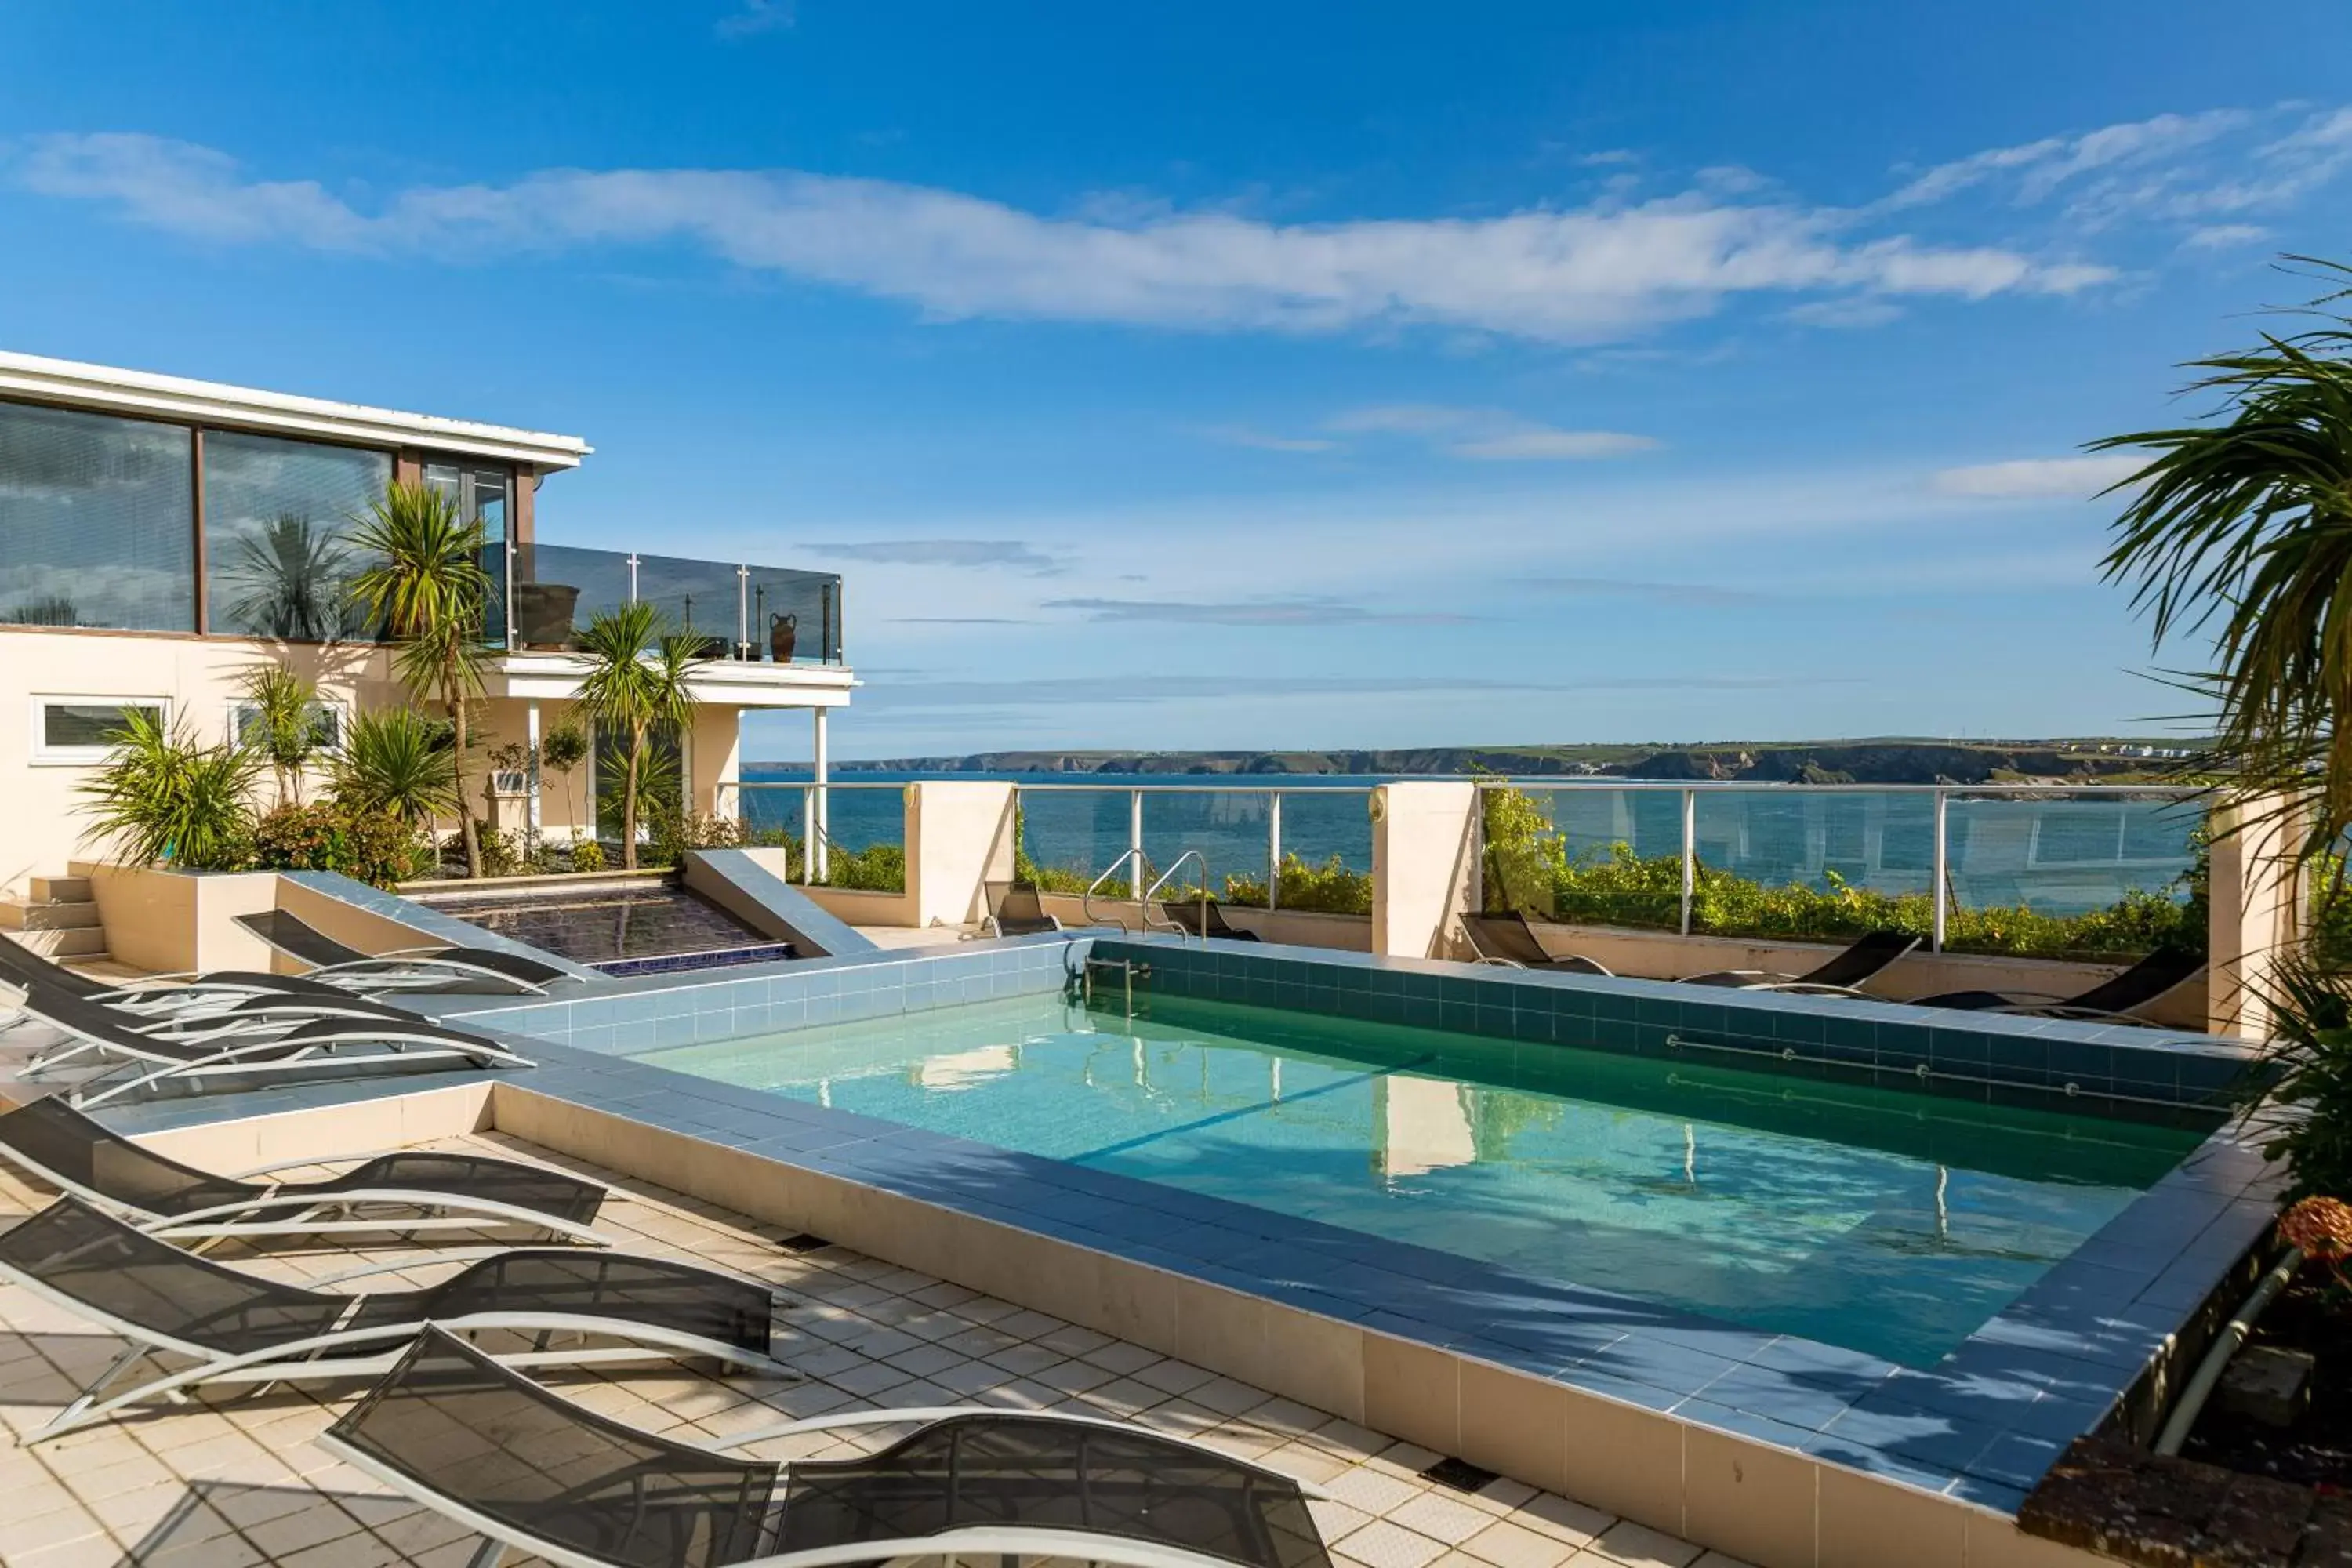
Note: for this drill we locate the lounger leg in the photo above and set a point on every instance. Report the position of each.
(90, 1393)
(491, 1554)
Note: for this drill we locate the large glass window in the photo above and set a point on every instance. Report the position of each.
(95, 522)
(482, 495)
(279, 516)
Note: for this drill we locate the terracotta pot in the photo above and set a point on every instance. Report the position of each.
(783, 631)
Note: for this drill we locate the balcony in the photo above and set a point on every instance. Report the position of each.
(740, 614)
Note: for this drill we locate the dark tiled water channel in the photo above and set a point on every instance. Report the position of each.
(628, 928)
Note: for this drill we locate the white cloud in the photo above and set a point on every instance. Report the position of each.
(1575, 275)
(1844, 313)
(2173, 168)
(1489, 434)
(754, 17)
(2219, 236)
(2038, 478)
(2041, 167)
(1553, 446)
(1259, 440)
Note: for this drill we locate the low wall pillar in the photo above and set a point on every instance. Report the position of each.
(958, 835)
(1424, 860)
(2255, 896)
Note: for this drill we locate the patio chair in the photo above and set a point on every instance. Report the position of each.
(488, 1449)
(2113, 1000)
(269, 1046)
(1504, 938)
(238, 1328)
(158, 995)
(230, 1015)
(1204, 919)
(440, 967)
(1015, 910)
(51, 1141)
(1840, 977)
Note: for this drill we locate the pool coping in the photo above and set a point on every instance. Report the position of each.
(1978, 1429)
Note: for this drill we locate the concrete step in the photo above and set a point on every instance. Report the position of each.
(16, 915)
(59, 890)
(89, 942)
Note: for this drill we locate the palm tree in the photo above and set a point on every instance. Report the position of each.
(2249, 521)
(286, 729)
(638, 685)
(295, 577)
(396, 760)
(426, 587)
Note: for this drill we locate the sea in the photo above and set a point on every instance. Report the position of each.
(2060, 855)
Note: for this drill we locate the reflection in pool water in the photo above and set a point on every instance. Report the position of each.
(1889, 1223)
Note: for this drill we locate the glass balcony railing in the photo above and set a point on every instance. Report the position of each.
(759, 615)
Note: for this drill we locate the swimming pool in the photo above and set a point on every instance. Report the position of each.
(1889, 1223)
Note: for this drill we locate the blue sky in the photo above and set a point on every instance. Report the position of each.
(1225, 375)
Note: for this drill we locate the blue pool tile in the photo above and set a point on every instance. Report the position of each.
(1911, 1433)
(2016, 1459)
(1995, 1495)
(1783, 1396)
(1746, 1424)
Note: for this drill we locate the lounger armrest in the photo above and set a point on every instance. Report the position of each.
(414, 1260)
(321, 1160)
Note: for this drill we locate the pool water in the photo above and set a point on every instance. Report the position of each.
(1888, 1223)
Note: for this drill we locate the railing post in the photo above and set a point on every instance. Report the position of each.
(1690, 854)
(1943, 861)
(633, 576)
(1274, 852)
(820, 840)
(743, 613)
(1135, 843)
(808, 837)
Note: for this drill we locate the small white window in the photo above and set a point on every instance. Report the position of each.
(83, 729)
(326, 724)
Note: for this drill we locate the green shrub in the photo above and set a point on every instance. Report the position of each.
(587, 855)
(372, 846)
(879, 868)
(1328, 888)
(1529, 867)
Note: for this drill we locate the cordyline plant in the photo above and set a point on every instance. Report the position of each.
(426, 585)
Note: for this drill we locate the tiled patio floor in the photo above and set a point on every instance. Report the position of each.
(244, 1482)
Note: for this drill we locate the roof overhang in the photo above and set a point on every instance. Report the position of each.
(726, 683)
(142, 394)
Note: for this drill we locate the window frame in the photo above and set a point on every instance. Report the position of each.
(45, 755)
(238, 707)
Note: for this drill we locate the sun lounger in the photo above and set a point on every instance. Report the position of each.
(2113, 1000)
(1841, 975)
(241, 1328)
(155, 994)
(436, 968)
(1014, 910)
(429, 1192)
(1205, 919)
(1504, 938)
(492, 1450)
(268, 1045)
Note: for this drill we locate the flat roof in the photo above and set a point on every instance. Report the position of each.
(144, 393)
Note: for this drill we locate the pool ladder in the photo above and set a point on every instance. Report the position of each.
(1130, 971)
(1149, 902)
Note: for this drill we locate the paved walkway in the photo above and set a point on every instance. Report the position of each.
(243, 1482)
